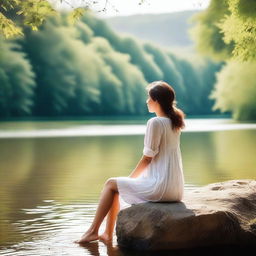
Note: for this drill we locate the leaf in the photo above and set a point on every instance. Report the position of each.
(76, 14)
(19, 12)
(8, 28)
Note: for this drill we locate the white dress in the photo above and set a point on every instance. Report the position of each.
(163, 179)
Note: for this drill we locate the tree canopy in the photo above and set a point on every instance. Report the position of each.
(15, 13)
(227, 30)
(235, 90)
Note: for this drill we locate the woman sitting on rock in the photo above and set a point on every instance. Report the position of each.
(158, 175)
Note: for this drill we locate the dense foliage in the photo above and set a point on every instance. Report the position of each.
(236, 90)
(32, 13)
(226, 31)
(87, 69)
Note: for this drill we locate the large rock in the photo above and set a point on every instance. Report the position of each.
(217, 214)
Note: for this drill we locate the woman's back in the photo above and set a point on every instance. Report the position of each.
(166, 166)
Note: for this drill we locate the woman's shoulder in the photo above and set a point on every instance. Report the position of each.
(157, 119)
(154, 121)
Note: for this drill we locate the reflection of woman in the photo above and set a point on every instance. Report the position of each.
(159, 174)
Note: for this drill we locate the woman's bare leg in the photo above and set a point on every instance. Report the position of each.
(106, 201)
(111, 219)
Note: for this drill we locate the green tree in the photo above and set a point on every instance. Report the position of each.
(16, 13)
(17, 82)
(206, 32)
(198, 78)
(65, 69)
(235, 90)
(226, 29)
(169, 69)
(131, 79)
(239, 28)
(206, 71)
(127, 45)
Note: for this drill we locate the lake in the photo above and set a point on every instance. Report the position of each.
(52, 174)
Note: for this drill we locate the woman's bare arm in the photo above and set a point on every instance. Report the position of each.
(142, 164)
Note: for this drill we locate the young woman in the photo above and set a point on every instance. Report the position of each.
(158, 175)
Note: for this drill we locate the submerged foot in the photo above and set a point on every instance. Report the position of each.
(105, 238)
(87, 237)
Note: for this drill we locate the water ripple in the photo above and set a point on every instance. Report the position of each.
(53, 230)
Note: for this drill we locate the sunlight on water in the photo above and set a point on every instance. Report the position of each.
(51, 228)
(76, 129)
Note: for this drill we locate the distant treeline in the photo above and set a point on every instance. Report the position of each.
(87, 69)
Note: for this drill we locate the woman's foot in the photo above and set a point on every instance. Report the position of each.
(105, 238)
(87, 237)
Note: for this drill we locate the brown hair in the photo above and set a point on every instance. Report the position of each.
(165, 95)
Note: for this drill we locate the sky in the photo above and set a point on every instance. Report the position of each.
(130, 7)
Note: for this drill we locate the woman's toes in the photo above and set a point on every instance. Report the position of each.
(86, 238)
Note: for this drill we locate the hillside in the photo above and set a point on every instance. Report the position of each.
(173, 33)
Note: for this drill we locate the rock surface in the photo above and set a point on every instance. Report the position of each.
(217, 214)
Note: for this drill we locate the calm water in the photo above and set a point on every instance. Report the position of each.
(52, 173)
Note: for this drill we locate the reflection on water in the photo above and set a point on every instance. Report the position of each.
(216, 156)
(49, 187)
(51, 228)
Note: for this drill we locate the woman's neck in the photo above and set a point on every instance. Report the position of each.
(160, 114)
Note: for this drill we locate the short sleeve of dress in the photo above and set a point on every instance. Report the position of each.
(152, 138)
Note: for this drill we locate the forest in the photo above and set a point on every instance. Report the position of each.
(86, 68)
